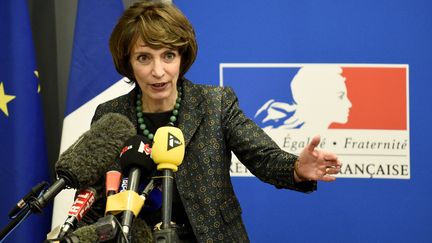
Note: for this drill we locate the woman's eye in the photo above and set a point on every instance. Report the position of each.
(143, 58)
(341, 95)
(170, 55)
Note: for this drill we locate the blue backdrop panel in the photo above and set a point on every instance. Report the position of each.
(369, 32)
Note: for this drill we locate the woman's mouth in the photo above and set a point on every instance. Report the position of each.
(159, 85)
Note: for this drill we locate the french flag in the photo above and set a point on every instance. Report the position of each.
(92, 80)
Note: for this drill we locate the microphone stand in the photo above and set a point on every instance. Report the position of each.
(167, 232)
(168, 153)
(167, 185)
(32, 205)
(128, 216)
(25, 212)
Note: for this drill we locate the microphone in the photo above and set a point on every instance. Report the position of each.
(136, 162)
(168, 152)
(82, 234)
(106, 229)
(84, 200)
(31, 195)
(83, 163)
(113, 178)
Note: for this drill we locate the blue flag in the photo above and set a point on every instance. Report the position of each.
(23, 154)
(92, 69)
(93, 78)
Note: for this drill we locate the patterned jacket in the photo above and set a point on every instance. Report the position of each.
(214, 126)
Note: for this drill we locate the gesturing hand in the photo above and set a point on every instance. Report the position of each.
(314, 164)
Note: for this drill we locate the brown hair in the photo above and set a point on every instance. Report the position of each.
(158, 24)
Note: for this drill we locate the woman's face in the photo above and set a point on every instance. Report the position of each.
(156, 71)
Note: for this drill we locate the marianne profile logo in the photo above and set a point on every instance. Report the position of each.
(360, 111)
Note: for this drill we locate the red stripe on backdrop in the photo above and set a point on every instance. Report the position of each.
(378, 96)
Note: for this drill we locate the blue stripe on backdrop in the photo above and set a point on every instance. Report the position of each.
(281, 31)
(92, 69)
(24, 160)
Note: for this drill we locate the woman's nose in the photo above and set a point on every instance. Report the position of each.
(158, 70)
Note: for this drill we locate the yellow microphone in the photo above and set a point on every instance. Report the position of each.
(167, 152)
(168, 148)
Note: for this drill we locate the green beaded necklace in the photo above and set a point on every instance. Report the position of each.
(173, 118)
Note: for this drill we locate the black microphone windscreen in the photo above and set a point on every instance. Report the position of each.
(83, 163)
(86, 234)
(102, 231)
(141, 232)
(136, 153)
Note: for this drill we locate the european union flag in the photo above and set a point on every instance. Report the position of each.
(23, 162)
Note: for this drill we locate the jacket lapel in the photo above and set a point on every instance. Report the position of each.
(131, 106)
(191, 110)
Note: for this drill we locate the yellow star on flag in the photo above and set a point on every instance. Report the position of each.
(4, 99)
(36, 73)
